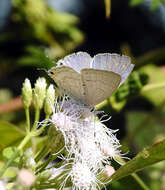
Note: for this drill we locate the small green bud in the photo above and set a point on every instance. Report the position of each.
(56, 139)
(49, 101)
(26, 93)
(39, 93)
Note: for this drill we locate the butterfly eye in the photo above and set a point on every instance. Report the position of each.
(51, 72)
(60, 63)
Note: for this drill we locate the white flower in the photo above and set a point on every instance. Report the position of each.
(89, 143)
(82, 178)
(67, 118)
(90, 154)
(62, 121)
(106, 140)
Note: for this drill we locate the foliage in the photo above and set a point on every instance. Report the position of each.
(38, 32)
(154, 3)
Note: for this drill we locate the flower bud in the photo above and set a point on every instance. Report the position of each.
(39, 93)
(24, 180)
(26, 177)
(26, 93)
(49, 101)
(109, 170)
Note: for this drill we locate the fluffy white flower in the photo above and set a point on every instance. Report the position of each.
(106, 140)
(82, 177)
(89, 143)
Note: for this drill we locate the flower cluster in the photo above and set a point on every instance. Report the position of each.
(89, 144)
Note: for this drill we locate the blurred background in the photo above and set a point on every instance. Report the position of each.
(34, 34)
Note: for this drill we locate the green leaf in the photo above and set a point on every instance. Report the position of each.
(155, 4)
(139, 123)
(136, 2)
(9, 135)
(7, 154)
(155, 90)
(144, 159)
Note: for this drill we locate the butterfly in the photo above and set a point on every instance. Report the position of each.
(91, 80)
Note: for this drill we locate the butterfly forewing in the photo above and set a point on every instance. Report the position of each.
(69, 81)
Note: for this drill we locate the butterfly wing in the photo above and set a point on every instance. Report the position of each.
(68, 80)
(99, 84)
(77, 61)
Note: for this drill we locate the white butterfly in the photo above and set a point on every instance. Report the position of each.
(91, 80)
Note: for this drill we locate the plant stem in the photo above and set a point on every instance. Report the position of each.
(139, 181)
(37, 116)
(27, 119)
(44, 164)
(44, 151)
(25, 140)
(134, 175)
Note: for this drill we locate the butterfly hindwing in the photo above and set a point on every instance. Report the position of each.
(99, 84)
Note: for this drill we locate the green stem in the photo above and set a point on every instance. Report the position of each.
(41, 129)
(23, 143)
(37, 116)
(42, 153)
(43, 165)
(139, 181)
(25, 140)
(45, 149)
(27, 119)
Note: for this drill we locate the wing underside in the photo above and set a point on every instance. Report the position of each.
(99, 85)
(69, 81)
(91, 86)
